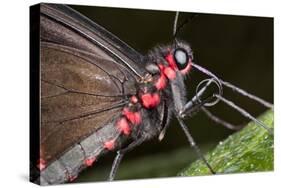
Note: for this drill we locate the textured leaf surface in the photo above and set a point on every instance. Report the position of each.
(249, 150)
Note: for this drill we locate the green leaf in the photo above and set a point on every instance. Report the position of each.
(249, 150)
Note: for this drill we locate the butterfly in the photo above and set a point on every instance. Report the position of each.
(99, 95)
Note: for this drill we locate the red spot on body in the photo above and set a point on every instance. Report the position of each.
(170, 73)
(71, 178)
(123, 126)
(150, 100)
(133, 117)
(187, 69)
(170, 59)
(41, 164)
(134, 99)
(89, 161)
(161, 67)
(109, 144)
(161, 82)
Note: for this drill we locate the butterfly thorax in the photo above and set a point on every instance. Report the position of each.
(165, 66)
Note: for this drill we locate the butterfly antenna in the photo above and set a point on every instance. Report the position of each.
(243, 112)
(233, 87)
(209, 73)
(177, 27)
(175, 24)
(246, 94)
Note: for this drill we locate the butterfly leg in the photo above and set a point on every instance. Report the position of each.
(183, 109)
(194, 145)
(120, 154)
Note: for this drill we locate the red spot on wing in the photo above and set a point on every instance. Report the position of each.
(123, 126)
(150, 100)
(109, 145)
(89, 161)
(133, 117)
(41, 164)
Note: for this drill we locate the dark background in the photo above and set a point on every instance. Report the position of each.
(238, 49)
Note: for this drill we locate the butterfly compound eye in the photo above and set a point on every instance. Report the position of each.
(181, 58)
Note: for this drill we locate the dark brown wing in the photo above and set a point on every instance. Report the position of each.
(83, 85)
(63, 25)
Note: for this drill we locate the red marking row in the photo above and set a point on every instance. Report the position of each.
(169, 72)
(123, 123)
(166, 72)
(149, 101)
